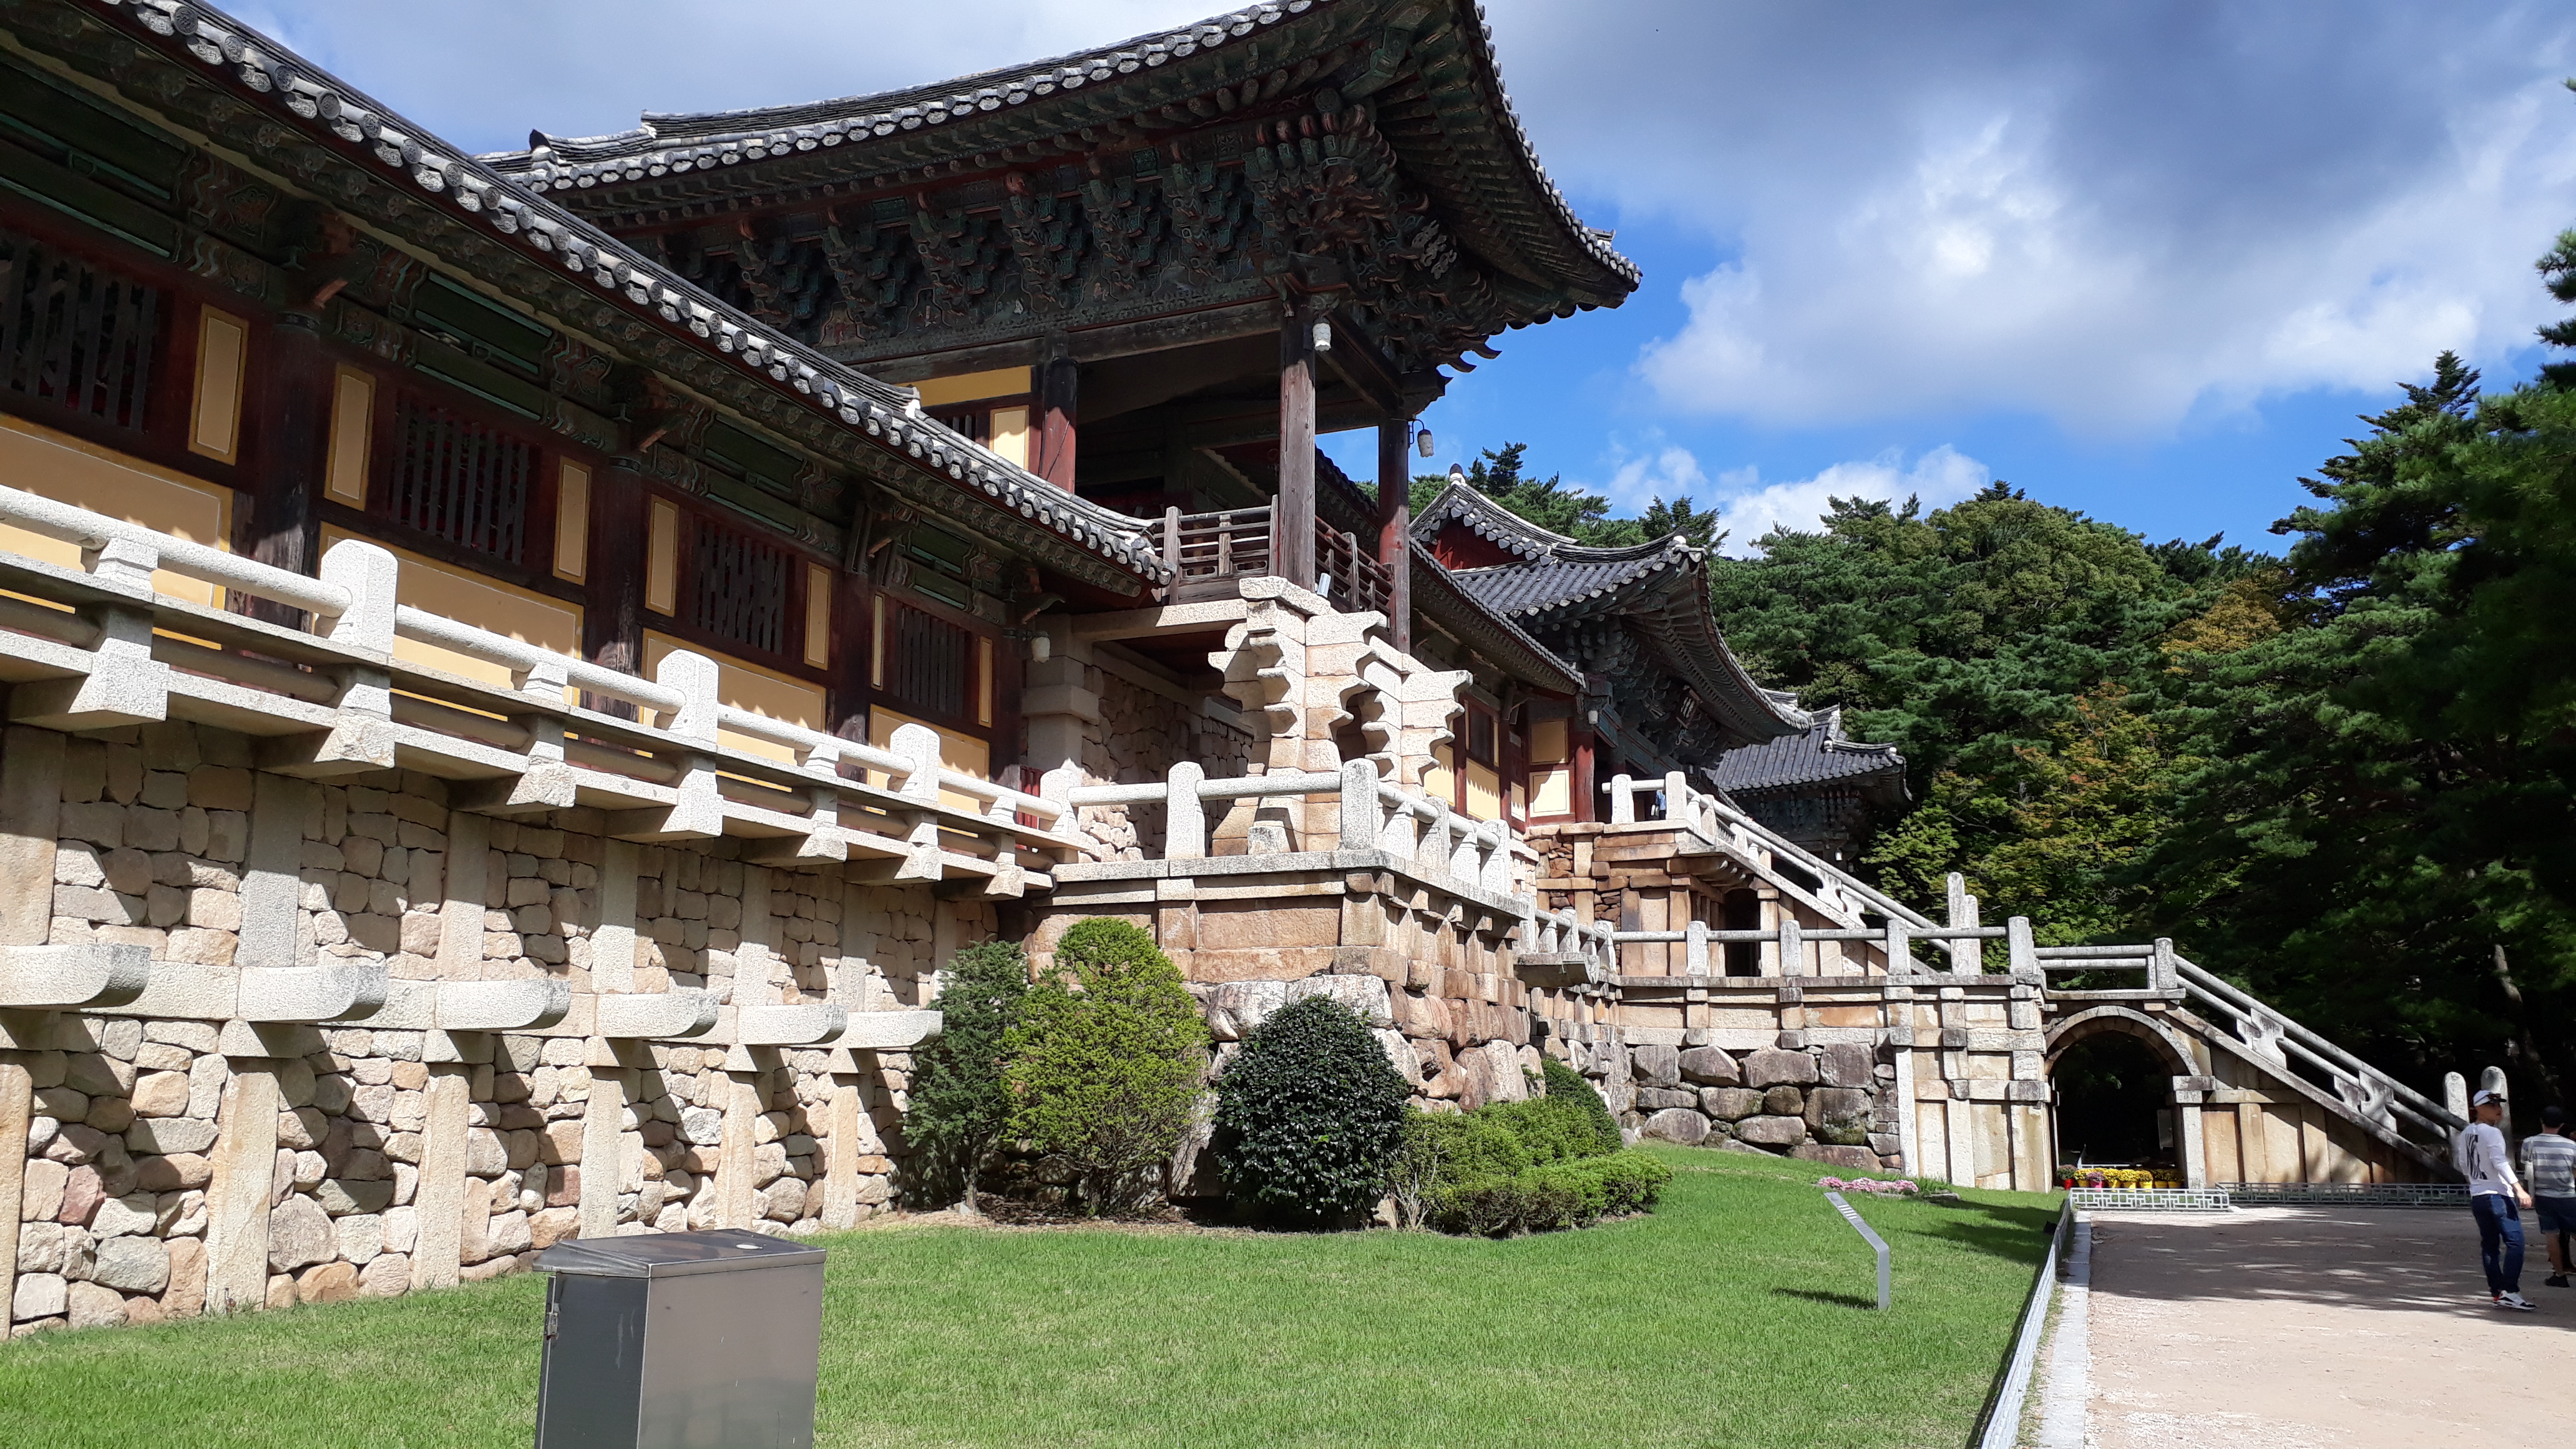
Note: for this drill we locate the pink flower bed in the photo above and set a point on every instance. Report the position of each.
(1900, 1187)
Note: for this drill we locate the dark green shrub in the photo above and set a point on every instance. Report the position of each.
(958, 1108)
(1309, 1115)
(1566, 1085)
(1105, 1067)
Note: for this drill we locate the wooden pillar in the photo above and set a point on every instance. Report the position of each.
(1587, 790)
(1057, 379)
(290, 436)
(1293, 523)
(612, 617)
(1395, 531)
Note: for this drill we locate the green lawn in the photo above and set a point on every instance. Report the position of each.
(1738, 1314)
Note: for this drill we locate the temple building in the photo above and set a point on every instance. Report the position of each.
(521, 669)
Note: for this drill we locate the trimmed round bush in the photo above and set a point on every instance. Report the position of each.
(1309, 1115)
(1105, 1068)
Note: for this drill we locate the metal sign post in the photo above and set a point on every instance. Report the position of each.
(1876, 1243)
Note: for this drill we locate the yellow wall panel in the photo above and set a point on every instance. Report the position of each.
(353, 421)
(1547, 742)
(818, 615)
(1484, 792)
(65, 469)
(223, 349)
(1437, 781)
(662, 558)
(973, 386)
(1552, 791)
(572, 520)
(1011, 435)
(752, 689)
(963, 753)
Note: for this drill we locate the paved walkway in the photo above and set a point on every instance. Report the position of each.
(2317, 1328)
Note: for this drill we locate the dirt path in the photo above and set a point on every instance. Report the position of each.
(2318, 1328)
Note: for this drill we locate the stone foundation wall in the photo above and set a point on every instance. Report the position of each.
(175, 1163)
(1834, 1103)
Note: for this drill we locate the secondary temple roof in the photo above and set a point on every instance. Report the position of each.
(1821, 754)
(1597, 606)
(254, 94)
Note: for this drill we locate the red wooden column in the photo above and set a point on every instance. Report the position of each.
(1057, 378)
(1293, 523)
(1395, 530)
(1587, 790)
(289, 436)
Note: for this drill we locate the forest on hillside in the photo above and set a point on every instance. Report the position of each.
(2339, 775)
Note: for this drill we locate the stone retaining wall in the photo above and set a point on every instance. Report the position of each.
(1832, 1103)
(176, 1164)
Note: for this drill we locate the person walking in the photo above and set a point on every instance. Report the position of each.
(2494, 1193)
(2549, 1169)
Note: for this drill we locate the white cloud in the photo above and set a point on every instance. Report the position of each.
(483, 72)
(2120, 219)
(1749, 508)
(1662, 471)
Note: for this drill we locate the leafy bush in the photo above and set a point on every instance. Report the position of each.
(1104, 1068)
(1507, 1167)
(1566, 1085)
(1309, 1115)
(958, 1108)
(1571, 1193)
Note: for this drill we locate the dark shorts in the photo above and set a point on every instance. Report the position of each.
(2555, 1214)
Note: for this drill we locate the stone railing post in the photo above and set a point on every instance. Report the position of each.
(2021, 952)
(1360, 816)
(1677, 798)
(1498, 860)
(2163, 974)
(1184, 812)
(1793, 944)
(125, 685)
(1899, 948)
(1623, 801)
(1397, 836)
(698, 813)
(1967, 957)
(1695, 948)
(919, 744)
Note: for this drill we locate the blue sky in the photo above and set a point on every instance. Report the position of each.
(2145, 260)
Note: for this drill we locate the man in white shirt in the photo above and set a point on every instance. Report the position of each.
(2496, 1197)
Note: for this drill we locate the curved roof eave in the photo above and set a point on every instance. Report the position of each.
(339, 115)
(673, 141)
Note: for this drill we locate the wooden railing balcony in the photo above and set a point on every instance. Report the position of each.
(1211, 553)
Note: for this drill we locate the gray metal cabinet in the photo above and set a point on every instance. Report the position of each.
(681, 1341)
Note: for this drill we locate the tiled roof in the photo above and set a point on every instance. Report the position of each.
(1554, 582)
(440, 175)
(667, 143)
(1818, 755)
(1659, 589)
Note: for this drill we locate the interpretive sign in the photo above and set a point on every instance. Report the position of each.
(1876, 1243)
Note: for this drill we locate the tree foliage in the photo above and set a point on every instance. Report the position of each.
(958, 1108)
(1106, 1060)
(1309, 1114)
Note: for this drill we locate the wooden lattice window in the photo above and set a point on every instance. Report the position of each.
(460, 479)
(738, 587)
(73, 334)
(933, 665)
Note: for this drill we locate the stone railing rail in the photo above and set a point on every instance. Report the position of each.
(1895, 938)
(1373, 815)
(333, 698)
(2164, 974)
(2366, 1089)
